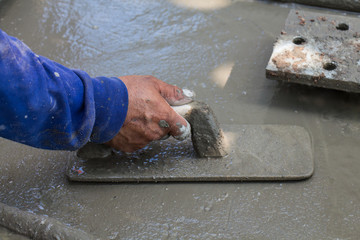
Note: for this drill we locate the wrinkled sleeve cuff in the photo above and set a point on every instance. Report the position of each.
(111, 105)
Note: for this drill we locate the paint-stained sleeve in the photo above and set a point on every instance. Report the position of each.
(46, 105)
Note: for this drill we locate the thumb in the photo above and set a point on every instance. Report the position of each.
(179, 127)
(174, 95)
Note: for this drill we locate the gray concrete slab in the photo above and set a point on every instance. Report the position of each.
(318, 49)
(350, 5)
(256, 152)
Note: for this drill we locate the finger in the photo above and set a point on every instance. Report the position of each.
(174, 95)
(185, 131)
(179, 128)
(188, 97)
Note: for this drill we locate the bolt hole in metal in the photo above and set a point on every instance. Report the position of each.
(330, 66)
(299, 40)
(342, 27)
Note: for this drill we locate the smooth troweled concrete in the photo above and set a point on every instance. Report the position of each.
(318, 49)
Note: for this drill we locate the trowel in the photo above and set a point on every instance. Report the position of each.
(215, 152)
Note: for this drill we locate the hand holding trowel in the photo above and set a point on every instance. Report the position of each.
(241, 153)
(206, 135)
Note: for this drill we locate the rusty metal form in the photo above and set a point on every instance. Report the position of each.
(316, 49)
(350, 5)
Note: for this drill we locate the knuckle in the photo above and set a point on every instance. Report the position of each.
(149, 77)
(148, 116)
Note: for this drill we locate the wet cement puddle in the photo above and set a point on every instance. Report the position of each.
(220, 52)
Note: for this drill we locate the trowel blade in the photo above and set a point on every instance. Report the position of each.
(255, 152)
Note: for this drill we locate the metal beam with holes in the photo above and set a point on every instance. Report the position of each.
(350, 5)
(317, 49)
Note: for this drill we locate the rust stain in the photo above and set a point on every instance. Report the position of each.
(297, 56)
(272, 73)
(302, 21)
(295, 59)
(322, 18)
(317, 78)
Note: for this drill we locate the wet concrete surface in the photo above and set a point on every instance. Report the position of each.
(39, 227)
(5, 234)
(220, 50)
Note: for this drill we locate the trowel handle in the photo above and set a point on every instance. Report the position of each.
(183, 110)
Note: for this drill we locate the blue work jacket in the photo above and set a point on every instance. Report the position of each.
(46, 105)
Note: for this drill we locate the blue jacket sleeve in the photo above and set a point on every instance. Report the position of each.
(46, 105)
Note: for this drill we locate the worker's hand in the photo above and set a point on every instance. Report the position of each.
(149, 115)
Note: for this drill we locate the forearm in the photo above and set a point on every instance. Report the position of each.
(46, 105)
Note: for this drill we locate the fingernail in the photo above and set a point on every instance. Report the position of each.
(185, 131)
(187, 97)
(188, 93)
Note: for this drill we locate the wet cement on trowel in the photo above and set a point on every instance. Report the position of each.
(221, 54)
